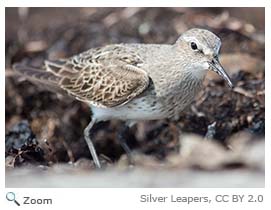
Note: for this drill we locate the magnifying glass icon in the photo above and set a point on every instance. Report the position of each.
(10, 196)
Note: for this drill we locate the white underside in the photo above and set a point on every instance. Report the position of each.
(125, 113)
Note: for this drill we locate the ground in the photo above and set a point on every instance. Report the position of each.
(44, 130)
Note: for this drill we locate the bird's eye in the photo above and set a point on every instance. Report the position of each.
(193, 46)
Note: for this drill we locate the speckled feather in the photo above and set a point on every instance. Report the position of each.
(105, 77)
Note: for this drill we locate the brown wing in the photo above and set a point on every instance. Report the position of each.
(106, 77)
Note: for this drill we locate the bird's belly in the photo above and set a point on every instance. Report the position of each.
(134, 110)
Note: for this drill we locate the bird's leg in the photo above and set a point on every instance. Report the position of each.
(122, 140)
(90, 143)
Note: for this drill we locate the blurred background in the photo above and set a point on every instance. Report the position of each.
(46, 129)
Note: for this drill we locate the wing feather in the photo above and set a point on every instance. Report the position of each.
(106, 77)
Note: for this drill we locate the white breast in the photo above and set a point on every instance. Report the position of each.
(135, 110)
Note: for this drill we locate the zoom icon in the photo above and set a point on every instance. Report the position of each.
(10, 196)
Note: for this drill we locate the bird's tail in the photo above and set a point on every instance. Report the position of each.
(41, 77)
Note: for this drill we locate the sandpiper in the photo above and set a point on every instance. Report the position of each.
(134, 82)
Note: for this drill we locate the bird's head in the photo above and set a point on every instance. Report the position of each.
(202, 49)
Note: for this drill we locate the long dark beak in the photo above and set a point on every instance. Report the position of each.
(216, 67)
